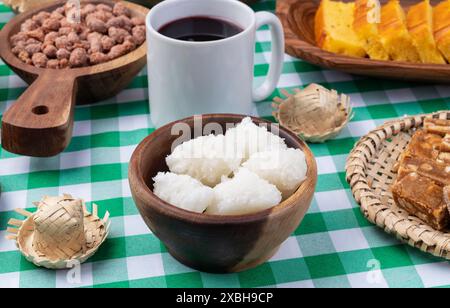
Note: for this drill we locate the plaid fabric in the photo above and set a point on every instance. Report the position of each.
(333, 247)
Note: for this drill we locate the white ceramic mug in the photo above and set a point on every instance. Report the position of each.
(187, 78)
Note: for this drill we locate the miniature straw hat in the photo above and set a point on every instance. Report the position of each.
(60, 232)
(315, 113)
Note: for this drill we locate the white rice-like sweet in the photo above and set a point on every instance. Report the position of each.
(250, 138)
(285, 168)
(243, 194)
(183, 191)
(205, 158)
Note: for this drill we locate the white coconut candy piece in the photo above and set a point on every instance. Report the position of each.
(245, 193)
(284, 168)
(205, 158)
(183, 191)
(250, 138)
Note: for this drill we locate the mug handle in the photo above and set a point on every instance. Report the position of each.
(276, 62)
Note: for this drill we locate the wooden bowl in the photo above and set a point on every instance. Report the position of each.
(40, 122)
(211, 243)
(297, 18)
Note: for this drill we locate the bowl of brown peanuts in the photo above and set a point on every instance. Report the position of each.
(68, 54)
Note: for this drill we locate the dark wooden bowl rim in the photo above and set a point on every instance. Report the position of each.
(150, 199)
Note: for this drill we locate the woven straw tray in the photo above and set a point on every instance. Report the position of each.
(370, 173)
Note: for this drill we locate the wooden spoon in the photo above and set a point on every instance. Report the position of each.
(40, 122)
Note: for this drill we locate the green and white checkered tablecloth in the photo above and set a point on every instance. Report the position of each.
(333, 247)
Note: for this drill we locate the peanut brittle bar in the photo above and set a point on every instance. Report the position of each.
(422, 197)
(439, 172)
(424, 145)
(437, 126)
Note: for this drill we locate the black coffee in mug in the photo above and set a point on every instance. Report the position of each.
(199, 29)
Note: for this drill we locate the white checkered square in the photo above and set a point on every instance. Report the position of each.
(134, 122)
(76, 277)
(145, 266)
(367, 280)
(325, 164)
(13, 199)
(81, 128)
(434, 274)
(360, 128)
(288, 250)
(400, 95)
(78, 159)
(10, 280)
(78, 191)
(348, 240)
(135, 225)
(305, 284)
(333, 200)
(5, 244)
(16, 165)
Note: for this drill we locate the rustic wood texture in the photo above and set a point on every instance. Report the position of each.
(40, 122)
(297, 18)
(371, 170)
(208, 242)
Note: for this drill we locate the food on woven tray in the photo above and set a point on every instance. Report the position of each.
(420, 26)
(442, 28)
(334, 29)
(422, 186)
(394, 33)
(367, 31)
(247, 170)
(60, 233)
(419, 34)
(57, 40)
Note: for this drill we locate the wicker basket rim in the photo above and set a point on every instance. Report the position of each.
(418, 235)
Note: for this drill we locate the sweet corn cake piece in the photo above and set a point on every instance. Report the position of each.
(365, 26)
(442, 27)
(420, 25)
(422, 197)
(334, 29)
(394, 33)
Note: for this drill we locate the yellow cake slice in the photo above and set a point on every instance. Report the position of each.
(394, 35)
(334, 29)
(442, 28)
(366, 27)
(420, 25)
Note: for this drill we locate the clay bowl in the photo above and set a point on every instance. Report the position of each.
(40, 122)
(210, 243)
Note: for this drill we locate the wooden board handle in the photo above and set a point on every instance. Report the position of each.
(40, 122)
